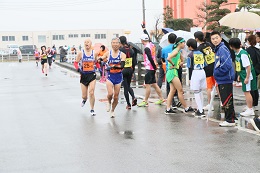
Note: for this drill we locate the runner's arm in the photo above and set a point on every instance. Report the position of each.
(76, 62)
(182, 60)
(149, 55)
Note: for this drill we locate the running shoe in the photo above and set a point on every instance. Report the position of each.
(42, 71)
(83, 103)
(248, 112)
(46, 74)
(178, 104)
(169, 112)
(174, 105)
(134, 102)
(108, 107)
(128, 107)
(143, 104)
(92, 112)
(189, 109)
(198, 114)
(226, 124)
(159, 102)
(112, 114)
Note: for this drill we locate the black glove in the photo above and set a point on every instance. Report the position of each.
(143, 25)
(80, 71)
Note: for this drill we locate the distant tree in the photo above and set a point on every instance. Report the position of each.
(180, 24)
(249, 5)
(213, 13)
(167, 15)
(202, 14)
(157, 32)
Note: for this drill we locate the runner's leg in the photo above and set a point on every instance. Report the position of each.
(92, 94)
(115, 98)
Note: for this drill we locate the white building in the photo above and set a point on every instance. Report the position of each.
(59, 37)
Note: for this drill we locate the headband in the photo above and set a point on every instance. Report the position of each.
(181, 41)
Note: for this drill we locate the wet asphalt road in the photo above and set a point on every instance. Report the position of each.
(43, 129)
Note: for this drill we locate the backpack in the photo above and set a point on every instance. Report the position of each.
(257, 66)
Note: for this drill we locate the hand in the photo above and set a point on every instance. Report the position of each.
(108, 68)
(181, 64)
(172, 67)
(246, 81)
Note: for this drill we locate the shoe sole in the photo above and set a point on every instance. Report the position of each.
(169, 113)
(228, 125)
(254, 125)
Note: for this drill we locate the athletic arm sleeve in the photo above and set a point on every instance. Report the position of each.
(76, 65)
(149, 55)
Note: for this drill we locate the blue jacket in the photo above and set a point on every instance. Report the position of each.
(223, 72)
(165, 51)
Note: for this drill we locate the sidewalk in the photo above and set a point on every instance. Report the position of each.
(239, 100)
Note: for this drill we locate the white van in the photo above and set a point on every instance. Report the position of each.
(13, 48)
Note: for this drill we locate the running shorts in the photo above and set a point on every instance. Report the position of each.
(198, 80)
(43, 61)
(86, 79)
(150, 77)
(171, 74)
(210, 82)
(115, 78)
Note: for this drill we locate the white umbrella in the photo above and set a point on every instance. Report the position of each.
(180, 33)
(240, 20)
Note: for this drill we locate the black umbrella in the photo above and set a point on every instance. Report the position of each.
(135, 47)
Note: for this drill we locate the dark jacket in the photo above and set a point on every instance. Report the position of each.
(223, 70)
(62, 52)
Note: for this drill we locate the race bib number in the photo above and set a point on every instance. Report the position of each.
(128, 62)
(238, 66)
(88, 66)
(198, 59)
(210, 58)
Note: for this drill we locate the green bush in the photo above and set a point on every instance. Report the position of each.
(179, 24)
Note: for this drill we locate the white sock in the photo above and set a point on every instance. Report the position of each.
(198, 101)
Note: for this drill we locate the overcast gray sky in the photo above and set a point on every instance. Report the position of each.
(34, 15)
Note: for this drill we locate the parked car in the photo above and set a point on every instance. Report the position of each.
(13, 48)
(28, 49)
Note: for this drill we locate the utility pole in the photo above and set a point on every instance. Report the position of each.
(143, 12)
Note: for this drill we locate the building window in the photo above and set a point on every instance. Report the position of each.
(100, 36)
(41, 38)
(85, 35)
(57, 37)
(116, 35)
(8, 38)
(61, 37)
(25, 38)
(11, 38)
(73, 35)
(103, 36)
(4, 38)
